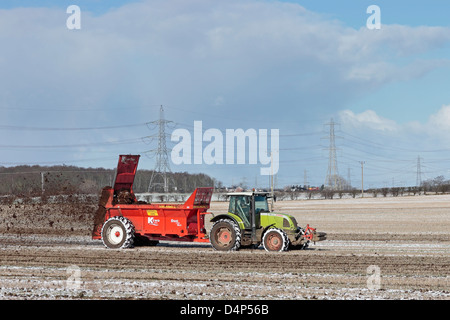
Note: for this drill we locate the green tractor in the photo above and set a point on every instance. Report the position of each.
(249, 223)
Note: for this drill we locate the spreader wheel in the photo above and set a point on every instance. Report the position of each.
(275, 240)
(225, 235)
(118, 232)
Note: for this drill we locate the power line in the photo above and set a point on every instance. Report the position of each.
(62, 162)
(75, 108)
(64, 146)
(22, 128)
(368, 143)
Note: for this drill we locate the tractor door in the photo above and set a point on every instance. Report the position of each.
(241, 206)
(260, 204)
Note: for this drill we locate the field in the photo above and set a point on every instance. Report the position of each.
(377, 248)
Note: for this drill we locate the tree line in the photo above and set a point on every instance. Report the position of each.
(29, 181)
(437, 185)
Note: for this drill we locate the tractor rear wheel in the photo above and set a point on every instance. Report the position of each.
(225, 235)
(275, 240)
(118, 232)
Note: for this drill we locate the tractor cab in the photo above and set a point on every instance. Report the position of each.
(248, 206)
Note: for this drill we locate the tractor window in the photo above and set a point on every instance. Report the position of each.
(232, 206)
(240, 206)
(261, 204)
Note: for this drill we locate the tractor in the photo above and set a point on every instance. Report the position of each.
(249, 223)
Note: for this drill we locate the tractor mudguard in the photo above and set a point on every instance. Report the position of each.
(265, 228)
(231, 216)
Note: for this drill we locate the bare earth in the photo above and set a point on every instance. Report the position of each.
(377, 248)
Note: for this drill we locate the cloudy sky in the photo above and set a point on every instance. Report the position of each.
(83, 96)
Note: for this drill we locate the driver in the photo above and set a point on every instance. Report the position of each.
(244, 210)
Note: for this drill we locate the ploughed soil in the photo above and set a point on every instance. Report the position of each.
(377, 248)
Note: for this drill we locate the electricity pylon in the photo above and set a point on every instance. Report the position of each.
(160, 179)
(419, 172)
(332, 181)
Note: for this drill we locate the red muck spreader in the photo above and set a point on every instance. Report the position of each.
(121, 220)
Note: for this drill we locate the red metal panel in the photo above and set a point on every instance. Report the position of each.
(154, 221)
(126, 171)
(175, 222)
(200, 198)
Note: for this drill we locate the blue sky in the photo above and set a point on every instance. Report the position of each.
(84, 96)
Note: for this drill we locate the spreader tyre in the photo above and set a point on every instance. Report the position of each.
(225, 235)
(275, 240)
(118, 232)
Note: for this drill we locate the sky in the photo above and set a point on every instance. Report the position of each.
(83, 96)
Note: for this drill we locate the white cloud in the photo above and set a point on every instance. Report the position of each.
(425, 135)
(440, 121)
(368, 119)
(239, 46)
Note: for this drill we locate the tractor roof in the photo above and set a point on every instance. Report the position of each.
(249, 193)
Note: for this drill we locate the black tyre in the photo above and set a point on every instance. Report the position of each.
(225, 235)
(275, 240)
(118, 232)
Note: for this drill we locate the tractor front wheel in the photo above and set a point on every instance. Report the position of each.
(225, 235)
(275, 240)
